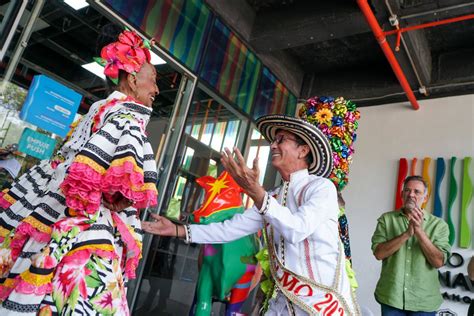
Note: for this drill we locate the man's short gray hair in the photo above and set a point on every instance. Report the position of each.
(416, 178)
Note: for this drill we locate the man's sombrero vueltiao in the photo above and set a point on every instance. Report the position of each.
(319, 145)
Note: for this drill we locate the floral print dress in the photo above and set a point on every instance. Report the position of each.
(61, 250)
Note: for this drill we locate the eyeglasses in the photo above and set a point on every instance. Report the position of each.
(417, 192)
(280, 139)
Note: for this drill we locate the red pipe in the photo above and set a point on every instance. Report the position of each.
(382, 40)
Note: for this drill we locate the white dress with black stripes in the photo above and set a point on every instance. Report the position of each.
(62, 251)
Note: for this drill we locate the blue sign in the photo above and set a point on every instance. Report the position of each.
(50, 105)
(36, 144)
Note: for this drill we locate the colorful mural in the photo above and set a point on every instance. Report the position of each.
(273, 97)
(230, 67)
(178, 26)
(192, 34)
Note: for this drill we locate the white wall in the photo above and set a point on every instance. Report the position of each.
(440, 128)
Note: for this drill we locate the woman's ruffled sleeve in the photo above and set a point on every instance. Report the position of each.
(116, 163)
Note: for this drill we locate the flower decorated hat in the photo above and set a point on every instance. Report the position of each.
(319, 145)
(129, 54)
(337, 119)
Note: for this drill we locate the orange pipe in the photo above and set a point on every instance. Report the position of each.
(382, 40)
(430, 24)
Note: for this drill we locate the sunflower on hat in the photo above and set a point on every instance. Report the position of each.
(338, 119)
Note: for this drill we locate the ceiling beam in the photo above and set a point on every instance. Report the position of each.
(416, 57)
(237, 13)
(241, 17)
(305, 24)
(429, 12)
(416, 60)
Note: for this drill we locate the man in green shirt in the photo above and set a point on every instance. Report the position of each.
(412, 245)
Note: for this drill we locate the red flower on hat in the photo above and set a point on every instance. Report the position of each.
(129, 53)
(130, 38)
(136, 46)
(113, 62)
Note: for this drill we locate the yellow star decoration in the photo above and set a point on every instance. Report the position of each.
(216, 188)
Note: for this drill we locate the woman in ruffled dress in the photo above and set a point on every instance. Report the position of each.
(70, 237)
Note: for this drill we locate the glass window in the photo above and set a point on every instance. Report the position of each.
(260, 148)
(230, 67)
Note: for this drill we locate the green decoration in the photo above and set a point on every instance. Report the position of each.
(453, 191)
(466, 196)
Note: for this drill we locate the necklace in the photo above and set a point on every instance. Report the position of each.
(281, 246)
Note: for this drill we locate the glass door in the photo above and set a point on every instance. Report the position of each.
(171, 267)
(166, 153)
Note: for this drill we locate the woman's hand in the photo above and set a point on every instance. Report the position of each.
(163, 227)
(117, 206)
(116, 202)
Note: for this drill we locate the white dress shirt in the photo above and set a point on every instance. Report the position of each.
(308, 224)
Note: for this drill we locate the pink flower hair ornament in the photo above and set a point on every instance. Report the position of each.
(129, 54)
(338, 120)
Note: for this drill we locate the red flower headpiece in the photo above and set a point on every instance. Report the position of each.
(129, 53)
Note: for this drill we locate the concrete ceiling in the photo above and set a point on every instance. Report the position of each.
(314, 47)
(327, 47)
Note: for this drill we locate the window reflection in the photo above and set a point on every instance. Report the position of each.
(213, 126)
(12, 126)
(260, 148)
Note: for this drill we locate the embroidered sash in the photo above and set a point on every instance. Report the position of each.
(295, 286)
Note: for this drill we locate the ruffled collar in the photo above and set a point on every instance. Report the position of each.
(130, 102)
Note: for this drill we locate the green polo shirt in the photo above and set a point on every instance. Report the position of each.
(407, 280)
